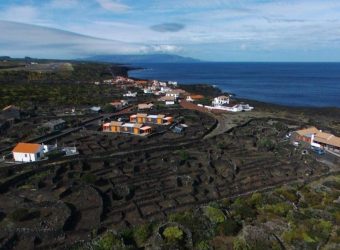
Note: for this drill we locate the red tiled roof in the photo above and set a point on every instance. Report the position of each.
(26, 148)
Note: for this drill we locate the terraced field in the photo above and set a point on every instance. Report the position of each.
(74, 200)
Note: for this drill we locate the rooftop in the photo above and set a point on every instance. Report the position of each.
(22, 147)
(327, 138)
(307, 131)
(114, 123)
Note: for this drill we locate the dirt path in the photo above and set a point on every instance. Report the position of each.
(222, 126)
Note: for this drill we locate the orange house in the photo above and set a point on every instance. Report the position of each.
(154, 119)
(129, 128)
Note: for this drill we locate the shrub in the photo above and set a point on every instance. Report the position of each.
(198, 225)
(311, 198)
(141, 234)
(321, 229)
(239, 243)
(256, 199)
(280, 209)
(215, 215)
(310, 231)
(242, 209)
(288, 194)
(203, 245)
(107, 242)
(173, 234)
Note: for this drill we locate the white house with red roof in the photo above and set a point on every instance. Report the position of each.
(28, 152)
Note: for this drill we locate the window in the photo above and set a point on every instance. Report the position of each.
(25, 155)
(38, 155)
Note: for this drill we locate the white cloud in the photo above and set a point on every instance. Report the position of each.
(18, 13)
(64, 4)
(113, 5)
(57, 43)
(163, 48)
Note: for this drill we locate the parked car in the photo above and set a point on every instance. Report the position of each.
(319, 151)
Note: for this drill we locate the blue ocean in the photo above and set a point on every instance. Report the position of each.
(292, 84)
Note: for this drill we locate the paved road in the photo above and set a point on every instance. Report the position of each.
(225, 120)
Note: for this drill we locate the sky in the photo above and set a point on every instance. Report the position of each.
(211, 30)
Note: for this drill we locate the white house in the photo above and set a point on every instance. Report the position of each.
(176, 93)
(130, 94)
(189, 99)
(239, 108)
(169, 100)
(95, 109)
(28, 152)
(173, 93)
(172, 83)
(221, 100)
(165, 89)
(147, 90)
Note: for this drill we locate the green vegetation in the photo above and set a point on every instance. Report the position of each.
(203, 245)
(173, 234)
(24, 95)
(62, 87)
(250, 223)
(107, 242)
(141, 234)
(215, 215)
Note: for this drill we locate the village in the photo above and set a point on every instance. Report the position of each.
(145, 121)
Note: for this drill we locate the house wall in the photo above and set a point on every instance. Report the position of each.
(27, 157)
(113, 128)
(140, 119)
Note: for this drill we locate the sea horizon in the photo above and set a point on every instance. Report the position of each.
(296, 84)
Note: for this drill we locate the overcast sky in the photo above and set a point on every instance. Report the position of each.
(214, 30)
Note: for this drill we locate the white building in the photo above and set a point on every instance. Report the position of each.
(221, 100)
(165, 89)
(28, 152)
(172, 83)
(169, 100)
(130, 94)
(173, 93)
(239, 108)
(147, 90)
